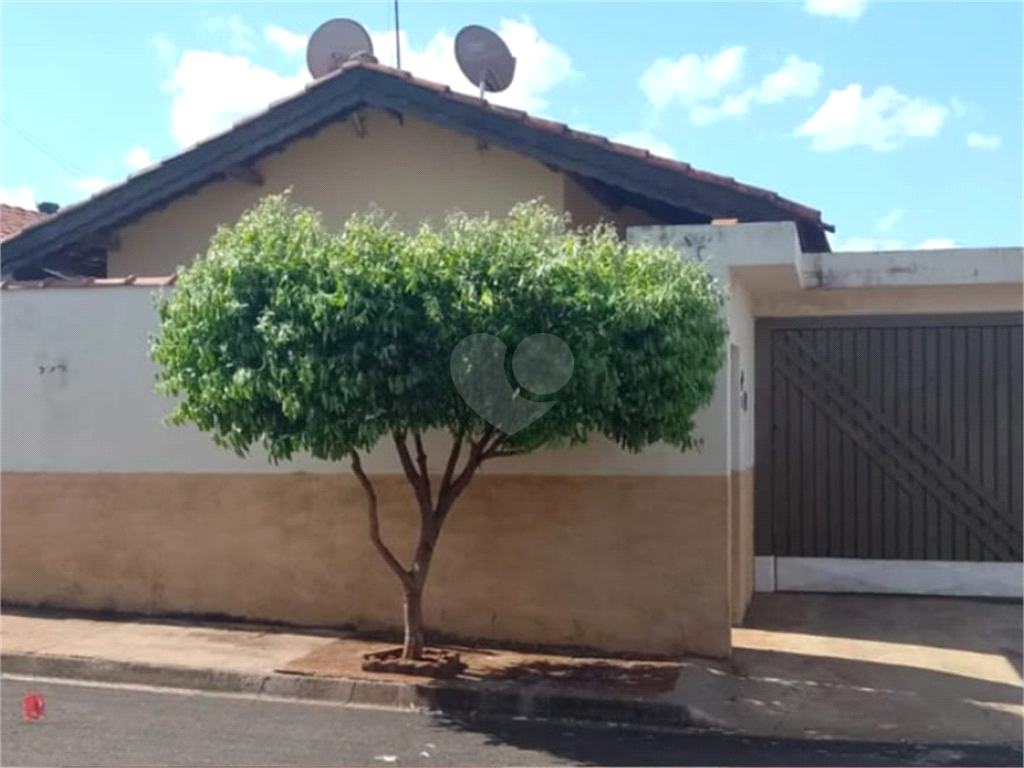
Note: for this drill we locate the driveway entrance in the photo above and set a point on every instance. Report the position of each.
(894, 440)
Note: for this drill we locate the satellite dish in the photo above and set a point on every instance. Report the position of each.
(333, 43)
(484, 59)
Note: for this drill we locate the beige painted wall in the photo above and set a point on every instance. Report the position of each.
(613, 563)
(416, 171)
(586, 211)
(742, 542)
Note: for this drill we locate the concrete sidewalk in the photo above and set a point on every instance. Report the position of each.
(858, 667)
(922, 669)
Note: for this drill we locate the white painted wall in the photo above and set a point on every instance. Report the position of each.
(722, 249)
(953, 266)
(96, 410)
(741, 333)
(904, 577)
(889, 300)
(100, 413)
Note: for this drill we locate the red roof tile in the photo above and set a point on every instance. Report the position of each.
(14, 219)
(546, 125)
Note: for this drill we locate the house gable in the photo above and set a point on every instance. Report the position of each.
(410, 169)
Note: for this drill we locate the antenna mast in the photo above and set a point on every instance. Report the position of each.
(398, 45)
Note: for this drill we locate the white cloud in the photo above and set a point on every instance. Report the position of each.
(882, 121)
(846, 9)
(645, 140)
(982, 141)
(691, 79)
(868, 244)
(138, 158)
(240, 34)
(287, 42)
(211, 90)
(936, 243)
(886, 244)
(91, 184)
(795, 78)
(731, 106)
(888, 221)
(22, 197)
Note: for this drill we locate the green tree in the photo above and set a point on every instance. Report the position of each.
(302, 340)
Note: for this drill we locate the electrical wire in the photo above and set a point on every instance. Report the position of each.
(38, 144)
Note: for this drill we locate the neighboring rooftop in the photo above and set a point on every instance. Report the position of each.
(676, 191)
(13, 219)
(90, 282)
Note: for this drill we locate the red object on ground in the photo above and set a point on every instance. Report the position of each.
(33, 706)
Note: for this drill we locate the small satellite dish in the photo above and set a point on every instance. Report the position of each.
(484, 59)
(333, 43)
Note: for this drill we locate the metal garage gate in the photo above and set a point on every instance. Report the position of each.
(890, 437)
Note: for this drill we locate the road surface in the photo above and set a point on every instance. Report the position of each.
(98, 724)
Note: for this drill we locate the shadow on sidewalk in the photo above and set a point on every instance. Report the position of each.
(602, 746)
(974, 623)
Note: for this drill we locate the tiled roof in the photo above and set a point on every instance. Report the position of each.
(561, 129)
(14, 219)
(89, 282)
(727, 182)
(360, 83)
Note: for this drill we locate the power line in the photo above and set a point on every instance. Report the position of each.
(38, 144)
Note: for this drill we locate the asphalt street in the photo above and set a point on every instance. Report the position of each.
(97, 725)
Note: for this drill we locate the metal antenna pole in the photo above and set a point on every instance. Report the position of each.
(398, 44)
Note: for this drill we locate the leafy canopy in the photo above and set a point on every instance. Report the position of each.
(291, 336)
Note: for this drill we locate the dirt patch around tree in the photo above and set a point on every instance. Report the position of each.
(344, 658)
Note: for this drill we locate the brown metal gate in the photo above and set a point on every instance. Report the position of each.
(890, 437)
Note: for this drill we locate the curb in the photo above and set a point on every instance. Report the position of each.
(485, 700)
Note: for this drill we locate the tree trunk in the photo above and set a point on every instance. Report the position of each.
(432, 517)
(413, 647)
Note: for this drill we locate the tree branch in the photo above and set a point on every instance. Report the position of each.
(371, 507)
(457, 486)
(403, 455)
(449, 470)
(421, 461)
(422, 495)
(489, 451)
(488, 433)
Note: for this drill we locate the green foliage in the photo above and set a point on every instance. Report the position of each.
(303, 340)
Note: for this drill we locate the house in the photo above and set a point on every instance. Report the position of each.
(658, 553)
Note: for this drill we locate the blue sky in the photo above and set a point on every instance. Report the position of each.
(901, 121)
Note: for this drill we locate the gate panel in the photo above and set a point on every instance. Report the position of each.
(890, 437)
